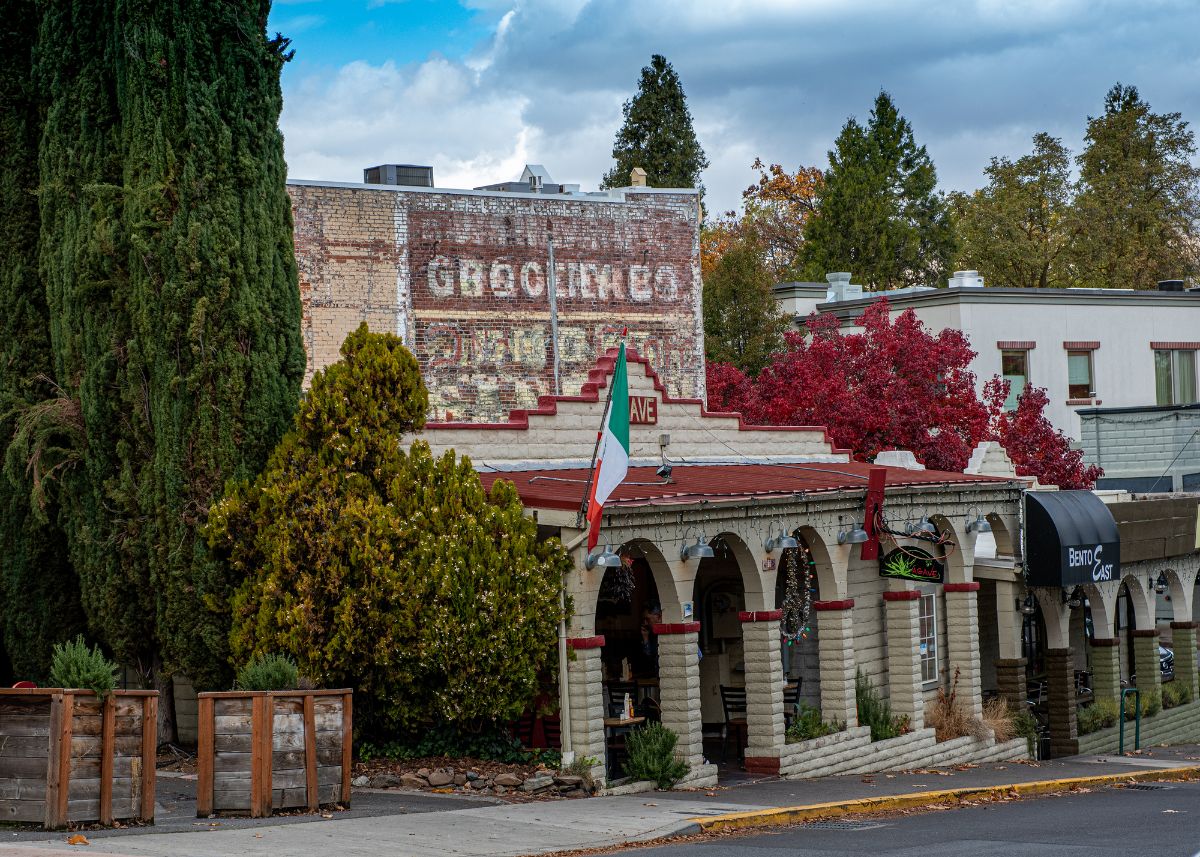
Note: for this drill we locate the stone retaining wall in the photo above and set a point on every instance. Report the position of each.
(1180, 725)
(852, 752)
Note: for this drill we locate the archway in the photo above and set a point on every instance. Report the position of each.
(797, 587)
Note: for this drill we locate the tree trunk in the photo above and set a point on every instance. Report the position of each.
(168, 731)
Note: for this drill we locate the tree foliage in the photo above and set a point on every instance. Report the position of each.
(39, 590)
(880, 214)
(1139, 196)
(1019, 229)
(742, 322)
(896, 385)
(381, 567)
(657, 134)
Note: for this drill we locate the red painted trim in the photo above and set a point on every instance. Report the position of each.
(518, 419)
(676, 628)
(596, 642)
(902, 595)
(1105, 642)
(1016, 344)
(876, 489)
(1081, 346)
(1145, 632)
(761, 765)
(844, 604)
(1182, 626)
(1175, 346)
(1084, 402)
(759, 615)
(973, 586)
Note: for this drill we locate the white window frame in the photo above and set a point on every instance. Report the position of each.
(927, 608)
(1175, 377)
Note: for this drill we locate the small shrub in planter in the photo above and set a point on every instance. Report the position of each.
(652, 756)
(269, 672)
(807, 725)
(875, 712)
(1151, 704)
(75, 664)
(1024, 724)
(1175, 693)
(1101, 714)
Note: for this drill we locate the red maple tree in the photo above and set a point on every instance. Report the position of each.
(897, 385)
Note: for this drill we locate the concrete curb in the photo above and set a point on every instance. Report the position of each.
(890, 803)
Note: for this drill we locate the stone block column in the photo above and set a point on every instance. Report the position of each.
(1106, 668)
(1145, 660)
(962, 637)
(1010, 682)
(585, 693)
(764, 690)
(679, 696)
(835, 643)
(1183, 638)
(904, 658)
(1060, 692)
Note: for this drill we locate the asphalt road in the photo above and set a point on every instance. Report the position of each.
(1164, 822)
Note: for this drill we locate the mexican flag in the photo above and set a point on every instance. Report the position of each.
(612, 456)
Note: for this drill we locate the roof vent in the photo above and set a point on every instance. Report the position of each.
(637, 177)
(838, 283)
(966, 280)
(408, 175)
(1170, 285)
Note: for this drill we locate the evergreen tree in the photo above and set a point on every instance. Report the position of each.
(657, 135)
(382, 568)
(1139, 198)
(880, 214)
(742, 323)
(39, 591)
(1018, 230)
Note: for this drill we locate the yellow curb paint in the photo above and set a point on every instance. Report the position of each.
(890, 803)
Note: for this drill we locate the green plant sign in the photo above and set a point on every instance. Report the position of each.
(912, 564)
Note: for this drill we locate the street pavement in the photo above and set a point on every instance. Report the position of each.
(427, 825)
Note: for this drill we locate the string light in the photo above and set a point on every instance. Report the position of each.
(797, 594)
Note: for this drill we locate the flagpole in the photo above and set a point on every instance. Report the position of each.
(587, 488)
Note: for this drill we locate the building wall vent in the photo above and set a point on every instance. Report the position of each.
(408, 175)
(966, 280)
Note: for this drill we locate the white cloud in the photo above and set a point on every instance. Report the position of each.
(769, 78)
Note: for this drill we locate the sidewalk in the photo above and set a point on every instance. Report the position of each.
(421, 825)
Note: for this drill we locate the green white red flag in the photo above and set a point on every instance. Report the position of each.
(612, 455)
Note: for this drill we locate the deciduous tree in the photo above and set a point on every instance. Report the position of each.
(657, 134)
(1034, 445)
(377, 566)
(880, 214)
(1139, 198)
(742, 322)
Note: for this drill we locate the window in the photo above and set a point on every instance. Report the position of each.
(928, 638)
(1014, 366)
(1079, 375)
(1175, 376)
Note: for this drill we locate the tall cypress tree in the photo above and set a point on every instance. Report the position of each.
(658, 135)
(213, 296)
(39, 591)
(880, 215)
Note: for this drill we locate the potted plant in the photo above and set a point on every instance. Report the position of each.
(81, 751)
(272, 745)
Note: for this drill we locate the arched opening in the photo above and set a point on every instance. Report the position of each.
(719, 597)
(796, 588)
(627, 606)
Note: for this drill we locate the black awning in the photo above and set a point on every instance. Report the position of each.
(1070, 538)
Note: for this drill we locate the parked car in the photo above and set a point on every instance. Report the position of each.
(1166, 663)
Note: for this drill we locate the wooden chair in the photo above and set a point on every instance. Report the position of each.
(552, 731)
(733, 700)
(616, 696)
(791, 702)
(522, 729)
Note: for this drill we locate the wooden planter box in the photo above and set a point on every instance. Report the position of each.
(65, 757)
(260, 751)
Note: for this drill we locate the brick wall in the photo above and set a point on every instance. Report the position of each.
(463, 278)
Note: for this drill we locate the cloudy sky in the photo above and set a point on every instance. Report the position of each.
(478, 88)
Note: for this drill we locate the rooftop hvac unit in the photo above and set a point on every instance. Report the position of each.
(407, 175)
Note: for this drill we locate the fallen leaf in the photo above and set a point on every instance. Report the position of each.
(649, 804)
(258, 836)
(78, 839)
(710, 794)
(327, 815)
(1165, 811)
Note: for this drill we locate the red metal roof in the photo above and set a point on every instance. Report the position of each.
(691, 483)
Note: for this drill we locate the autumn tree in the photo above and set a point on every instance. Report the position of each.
(743, 325)
(879, 213)
(657, 134)
(1139, 197)
(380, 567)
(1035, 447)
(1018, 229)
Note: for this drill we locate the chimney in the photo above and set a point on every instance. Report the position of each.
(838, 283)
(637, 177)
(966, 280)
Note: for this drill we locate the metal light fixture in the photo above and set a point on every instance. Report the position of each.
(1029, 605)
(855, 536)
(699, 550)
(783, 541)
(1160, 585)
(1074, 601)
(979, 525)
(604, 559)
(925, 526)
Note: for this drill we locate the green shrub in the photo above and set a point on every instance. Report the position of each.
(1025, 725)
(1101, 714)
(74, 664)
(1175, 693)
(492, 744)
(269, 672)
(1151, 704)
(652, 756)
(807, 724)
(875, 712)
